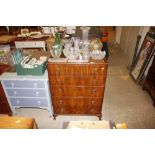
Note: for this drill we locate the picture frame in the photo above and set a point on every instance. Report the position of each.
(143, 58)
(136, 51)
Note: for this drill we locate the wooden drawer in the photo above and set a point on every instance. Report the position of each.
(56, 69)
(100, 69)
(78, 80)
(94, 91)
(58, 80)
(77, 106)
(91, 69)
(17, 123)
(77, 69)
(67, 69)
(96, 80)
(23, 84)
(77, 91)
(59, 91)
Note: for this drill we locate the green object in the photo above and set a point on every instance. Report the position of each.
(38, 70)
(18, 56)
(56, 47)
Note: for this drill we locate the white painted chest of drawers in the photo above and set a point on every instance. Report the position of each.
(28, 91)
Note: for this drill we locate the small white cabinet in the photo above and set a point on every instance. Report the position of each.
(26, 91)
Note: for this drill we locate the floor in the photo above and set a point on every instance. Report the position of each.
(124, 101)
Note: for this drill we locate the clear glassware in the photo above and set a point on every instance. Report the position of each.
(95, 44)
(68, 44)
(56, 47)
(85, 34)
(76, 43)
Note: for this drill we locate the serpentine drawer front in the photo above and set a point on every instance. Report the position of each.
(27, 93)
(77, 88)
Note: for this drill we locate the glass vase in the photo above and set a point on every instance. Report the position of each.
(56, 49)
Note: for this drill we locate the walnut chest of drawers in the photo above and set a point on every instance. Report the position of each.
(77, 88)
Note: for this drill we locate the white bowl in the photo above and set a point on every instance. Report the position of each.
(98, 56)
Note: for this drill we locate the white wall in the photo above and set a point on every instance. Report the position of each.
(118, 34)
(131, 42)
(126, 37)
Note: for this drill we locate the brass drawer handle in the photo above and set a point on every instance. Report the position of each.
(92, 110)
(60, 101)
(94, 70)
(94, 90)
(93, 102)
(59, 81)
(60, 90)
(58, 70)
(62, 109)
(102, 68)
(95, 81)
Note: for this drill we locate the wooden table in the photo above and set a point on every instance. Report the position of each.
(7, 122)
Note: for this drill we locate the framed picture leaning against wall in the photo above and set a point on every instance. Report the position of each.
(144, 55)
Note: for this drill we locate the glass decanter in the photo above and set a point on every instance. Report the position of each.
(56, 47)
(85, 34)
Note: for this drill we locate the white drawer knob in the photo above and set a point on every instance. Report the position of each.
(37, 93)
(12, 84)
(15, 93)
(17, 101)
(39, 102)
(35, 85)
